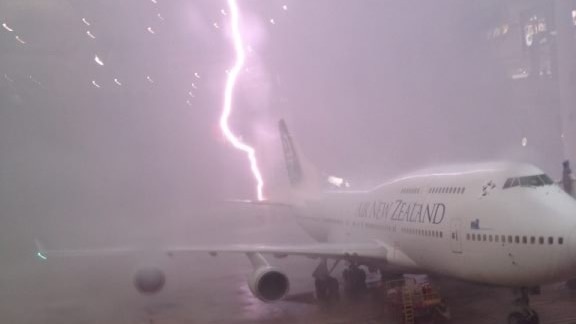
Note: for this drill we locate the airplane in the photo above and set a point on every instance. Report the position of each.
(497, 223)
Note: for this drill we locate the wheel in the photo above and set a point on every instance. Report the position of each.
(530, 317)
(441, 314)
(333, 288)
(535, 318)
(354, 281)
(516, 318)
(327, 290)
(571, 284)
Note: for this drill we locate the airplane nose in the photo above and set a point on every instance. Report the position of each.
(572, 243)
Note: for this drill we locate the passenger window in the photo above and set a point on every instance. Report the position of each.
(550, 240)
(468, 237)
(541, 240)
(503, 239)
(517, 239)
(441, 234)
(532, 240)
(490, 238)
(560, 240)
(496, 238)
(524, 240)
(509, 238)
(484, 237)
(463, 190)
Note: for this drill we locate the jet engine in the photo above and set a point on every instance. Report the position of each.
(268, 284)
(149, 280)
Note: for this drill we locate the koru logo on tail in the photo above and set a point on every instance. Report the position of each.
(290, 155)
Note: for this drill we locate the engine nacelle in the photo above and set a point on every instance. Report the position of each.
(149, 280)
(268, 284)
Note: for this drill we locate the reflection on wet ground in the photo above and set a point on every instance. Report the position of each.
(204, 289)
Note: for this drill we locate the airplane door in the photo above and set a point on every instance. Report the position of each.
(455, 236)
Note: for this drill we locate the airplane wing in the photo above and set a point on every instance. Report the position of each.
(320, 250)
(375, 251)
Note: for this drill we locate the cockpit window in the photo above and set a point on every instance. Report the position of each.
(511, 182)
(532, 181)
(528, 181)
(546, 179)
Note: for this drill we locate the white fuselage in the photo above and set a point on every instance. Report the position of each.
(461, 223)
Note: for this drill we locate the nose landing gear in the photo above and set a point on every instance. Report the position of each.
(523, 313)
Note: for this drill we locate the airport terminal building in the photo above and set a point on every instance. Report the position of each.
(534, 43)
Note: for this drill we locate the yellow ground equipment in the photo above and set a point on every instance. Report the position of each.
(411, 302)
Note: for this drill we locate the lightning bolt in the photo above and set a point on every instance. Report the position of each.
(228, 96)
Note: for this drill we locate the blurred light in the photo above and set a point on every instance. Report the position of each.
(20, 40)
(188, 103)
(216, 25)
(197, 75)
(223, 12)
(90, 34)
(149, 79)
(228, 96)
(41, 256)
(160, 17)
(191, 94)
(8, 78)
(524, 141)
(154, 1)
(574, 17)
(338, 182)
(520, 74)
(194, 85)
(117, 82)
(151, 31)
(34, 80)
(95, 84)
(98, 60)
(7, 28)
(272, 21)
(285, 7)
(85, 22)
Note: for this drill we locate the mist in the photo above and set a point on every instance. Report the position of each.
(129, 152)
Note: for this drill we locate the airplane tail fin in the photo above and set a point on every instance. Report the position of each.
(304, 177)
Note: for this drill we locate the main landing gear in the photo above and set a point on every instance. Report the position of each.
(354, 280)
(523, 313)
(327, 287)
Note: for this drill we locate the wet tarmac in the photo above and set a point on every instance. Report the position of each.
(205, 289)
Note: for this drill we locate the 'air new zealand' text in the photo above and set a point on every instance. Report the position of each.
(402, 211)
